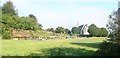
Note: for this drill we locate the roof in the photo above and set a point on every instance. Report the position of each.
(83, 29)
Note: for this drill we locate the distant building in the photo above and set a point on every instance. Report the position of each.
(84, 30)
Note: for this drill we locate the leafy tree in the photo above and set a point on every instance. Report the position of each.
(51, 29)
(60, 30)
(40, 26)
(67, 31)
(32, 16)
(10, 20)
(97, 32)
(104, 32)
(75, 30)
(0, 12)
(112, 47)
(24, 23)
(28, 24)
(114, 25)
(6, 34)
(8, 8)
(93, 30)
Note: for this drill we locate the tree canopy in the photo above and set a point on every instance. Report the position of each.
(60, 30)
(75, 30)
(97, 32)
(67, 31)
(8, 8)
(51, 29)
(32, 16)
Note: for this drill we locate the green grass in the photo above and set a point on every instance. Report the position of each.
(58, 47)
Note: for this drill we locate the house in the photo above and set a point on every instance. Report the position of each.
(84, 30)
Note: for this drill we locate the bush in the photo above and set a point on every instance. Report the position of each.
(6, 35)
(109, 49)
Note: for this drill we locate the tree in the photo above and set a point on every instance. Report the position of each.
(8, 8)
(67, 31)
(27, 24)
(104, 32)
(75, 30)
(96, 31)
(114, 25)
(10, 20)
(111, 47)
(93, 30)
(51, 29)
(0, 12)
(6, 34)
(32, 16)
(40, 26)
(60, 30)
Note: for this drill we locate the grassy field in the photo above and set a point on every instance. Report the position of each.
(59, 47)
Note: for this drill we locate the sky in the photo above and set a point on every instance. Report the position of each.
(67, 13)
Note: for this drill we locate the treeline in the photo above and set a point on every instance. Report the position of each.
(96, 31)
(61, 30)
(11, 20)
(93, 30)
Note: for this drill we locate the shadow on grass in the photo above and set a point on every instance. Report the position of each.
(62, 51)
(92, 45)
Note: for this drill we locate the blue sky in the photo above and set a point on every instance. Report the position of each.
(67, 13)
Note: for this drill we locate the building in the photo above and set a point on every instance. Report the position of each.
(84, 30)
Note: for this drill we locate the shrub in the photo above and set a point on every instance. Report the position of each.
(109, 49)
(6, 35)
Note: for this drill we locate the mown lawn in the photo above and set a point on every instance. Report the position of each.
(58, 47)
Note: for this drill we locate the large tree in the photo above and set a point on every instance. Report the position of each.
(8, 8)
(60, 30)
(104, 32)
(75, 30)
(93, 30)
(114, 25)
(96, 31)
(111, 47)
(32, 16)
(51, 29)
(67, 31)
